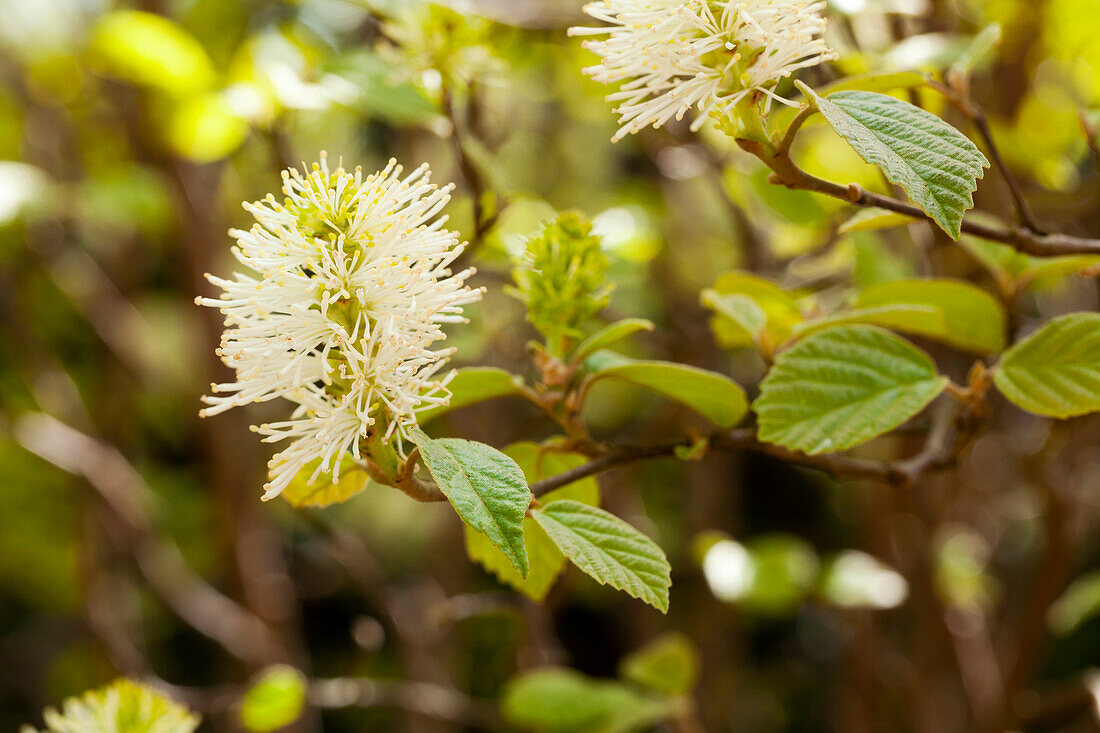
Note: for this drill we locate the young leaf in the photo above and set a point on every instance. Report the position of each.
(471, 385)
(875, 81)
(714, 396)
(969, 318)
(1022, 271)
(275, 700)
(609, 550)
(564, 701)
(1079, 603)
(873, 219)
(979, 51)
(668, 664)
(1056, 370)
(743, 311)
(935, 163)
(843, 386)
(302, 492)
(486, 488)
(545, 560)
(779, 306)
(609, 335)
(149, 49)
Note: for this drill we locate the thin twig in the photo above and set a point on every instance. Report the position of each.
(122, 489)
(938, 452)
(977, 116)
(785, 172)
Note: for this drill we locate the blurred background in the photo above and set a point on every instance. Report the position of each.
(132, 538)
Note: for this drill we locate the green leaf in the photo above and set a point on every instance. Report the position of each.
(204, 128)
(545, 560)
(743, 311)
(714, 396)
(668, 664)
(980, 50)
(486, 488)
(843, 386)
(779, 306)
(1056, 370)
(472, 385)
(1022, 271)
(874, 219)
(608, 549)
(1079, 603)
(151, 50)
(565, 701)
(301, 492)
(935, 163)
(875, 81)
(967, 317)
(785, 568)
(609, 335)
(895, 317)
(275, 699)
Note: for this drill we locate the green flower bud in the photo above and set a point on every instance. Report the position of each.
(562, 280)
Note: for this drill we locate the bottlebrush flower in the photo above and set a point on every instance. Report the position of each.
(673, 55)
(120, 706)
(352, 286)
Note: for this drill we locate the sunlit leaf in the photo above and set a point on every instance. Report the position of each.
(936, 164)
(743, 311)
(874, 81)
(1056, 370)
(205, 128)
(669, 664)
(322, 492)
(486, 488)
(843, 386)
(779, 306)
(545, 560)
(714, 396)
(1079, 603)
(784, 569)
(1022, 271)
(151, 50)
(556, 700)
(609, 550)
(867, 220)
(966, 316)
(980, 50)
(274, 700)
(472, 385)
(609, 335)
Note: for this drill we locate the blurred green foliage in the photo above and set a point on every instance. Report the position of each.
(131, 132)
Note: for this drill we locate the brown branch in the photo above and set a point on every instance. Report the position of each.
(974, 113)
(471, 176)
(939, 451)
(212, 614)
(785, 172)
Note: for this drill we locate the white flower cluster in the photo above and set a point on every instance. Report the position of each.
(672, 55)
(353, 285)
(120, 706)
